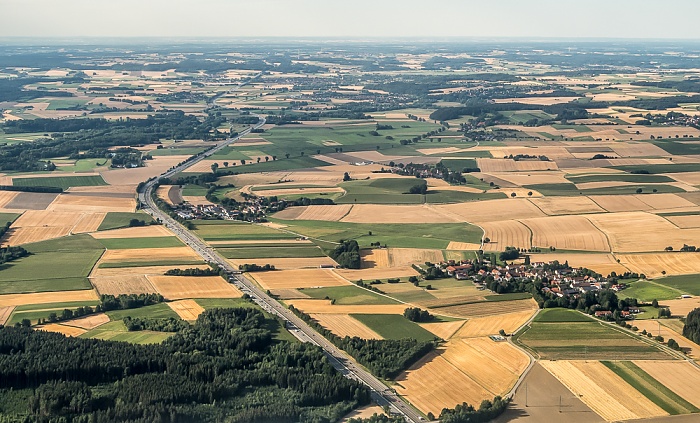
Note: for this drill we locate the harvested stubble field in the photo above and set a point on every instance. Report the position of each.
(658, 328)
(652, 264)
(74, 202)
(463, 246)
(62, 329)
(122, 284)
(554, 206)
(508, 165)
(186, 309)
(602, 390)
(444, 330)
(487, 308)
(680, 377)
(88, 322)
(287, 263)
(345, 325)
(183, 287)
(35, 225)
(464, 370)
(140, 270)
(6, 197)
(624, 229)
(147, 255)
(47, 297)
(399, 257)
(485, 326)
(150, 231)
(685, 222)
(299, 278)
(567, 233)
(490, 210)
(388, 213)
(5, 313)
(372, 274)
(154, 167)
(665, 201)
(325, 307)
(507, 233)
(31, 201)
(89, 222)
(288, 294)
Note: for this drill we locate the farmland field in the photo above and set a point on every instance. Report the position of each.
(347, 295)
(64, 182)
(114, 220)
(392, 326)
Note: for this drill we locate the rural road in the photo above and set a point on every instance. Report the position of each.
(381, 394)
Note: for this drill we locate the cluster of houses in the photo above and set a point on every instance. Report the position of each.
(251, 210)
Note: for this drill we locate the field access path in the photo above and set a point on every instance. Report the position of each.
(381, 394)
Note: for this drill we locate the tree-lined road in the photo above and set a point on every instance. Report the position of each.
(380, 393)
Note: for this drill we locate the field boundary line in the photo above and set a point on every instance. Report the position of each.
(459, 219)
(607, 238)
(532, 358)
(532, 234)
(540, 208)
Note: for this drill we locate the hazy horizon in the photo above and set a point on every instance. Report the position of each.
(506, 19)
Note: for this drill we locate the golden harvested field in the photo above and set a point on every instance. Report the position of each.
(287, 263)
(665, 201)
(371, 274)
(652, 264)
(325, 307)
(487, 308)
(679, 376)
(376, 258)
(182, 287)
(463, 246)
(624, 229)
(363, 412)
(567, 205)
(685, 222)
(150, 254)
(345, 325)
(566, 233)
(288, 294)
(47, 297)
(620, 203)
(657, 328)
(462, 371)
(30, 234)
(601, 389)
(690, 178)
(601, 263)
(5, 313)
(139, 270)
(88, 322)
(271, 242)
(186, 309)
(401, 257)
(682, 306)
(485, 326)
(163, 192)
(433, 383)
(389, 213)
(506, 233)
(509, 165)
(295, 191)
(300, 278)
(122, 284)
(326, 213)
(6, 197)
(149, 231)
(74, 202)
(89, 222)
(444, 330)
(491, 210)
(154, 167)
(62, 329)
(454, 294)
(521, 179)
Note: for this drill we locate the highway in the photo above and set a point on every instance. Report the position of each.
(381, 394)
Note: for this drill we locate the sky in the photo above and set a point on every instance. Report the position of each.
(652, 19)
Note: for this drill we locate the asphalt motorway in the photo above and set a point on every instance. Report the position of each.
(381, 394)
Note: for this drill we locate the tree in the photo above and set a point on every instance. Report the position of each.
(242, 162)
(639, 191)
(267, 158)
(512, 194)
(346, 177)
(302, 154)
(529, 194)
(655, 303)
(258, 159)
(214, 167)
(225, 164)
(286, 155)
(487, 240)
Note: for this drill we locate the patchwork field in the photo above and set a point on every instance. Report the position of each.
(183, 287)
(602, 390)
(345, 325)
(150, 231)
(325, 307)
(485, 326)
(122, 284)
(486, 308)
(566, 233)
(7, 300)
(507, 233)
(601, 263)
(325, 213)
(181, 254)
(653, 264)
(186, 309)
(303, 278)
(679, 376)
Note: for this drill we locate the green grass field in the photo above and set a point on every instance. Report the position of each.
(651, 388)
(509, 297)
(208, 303)
(115, 220)
(348, 295)
(590, 340)
(35, 312)
(624, 177)
(64, 182)
(394, 326)
(648, 291)
(134, 243)
(272, 251)
(219, 230)
(395, 191)
(557, 315)
(176, 151)
(660, 168)
(8, 218)
(116, 331)
(84, 165)
(156, 311)
(61, 264)
(686, 283)
(194, 190)
(410, 235)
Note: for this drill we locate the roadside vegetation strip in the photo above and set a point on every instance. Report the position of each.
(64, 182)
(651, 388)
(393, 326)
